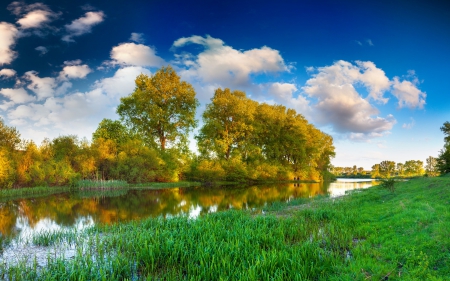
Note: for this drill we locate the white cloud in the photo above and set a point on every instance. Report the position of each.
(409, 125)
(122, 83)
(82, 25)
(369, 42)
(8, 36)
(342, 107)
(34, 19)
(7, 73)
(34, 16)
(74, 71)
(42, 87)
(42, 50)
(225, 66)
(408, 94)
(17, 96)
(135, 55)
(284, 94)
(137, 37)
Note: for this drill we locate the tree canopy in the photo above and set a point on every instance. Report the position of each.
(161, 108)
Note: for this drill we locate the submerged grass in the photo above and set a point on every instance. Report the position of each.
(373, 234)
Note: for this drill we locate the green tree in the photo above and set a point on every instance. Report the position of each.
(443, 160)
(375, 171)
(387, 168)
(112, 130)
(400, 169)
(9, 136)
(431, 167)
(227, 124)
(161, 109)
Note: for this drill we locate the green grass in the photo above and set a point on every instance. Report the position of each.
(373, 234)
(8, 194)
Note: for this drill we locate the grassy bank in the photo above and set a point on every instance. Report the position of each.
(372, 234)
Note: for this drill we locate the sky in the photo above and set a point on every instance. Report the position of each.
(372, 74)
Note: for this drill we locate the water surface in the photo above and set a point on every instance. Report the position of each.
(22, 217)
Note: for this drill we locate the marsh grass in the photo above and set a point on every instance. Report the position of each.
(369, 235)
(100, 184)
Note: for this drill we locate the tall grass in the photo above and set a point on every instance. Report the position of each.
(100, 184)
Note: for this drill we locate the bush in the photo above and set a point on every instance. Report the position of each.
(388, 184)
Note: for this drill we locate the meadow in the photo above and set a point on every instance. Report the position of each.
(371, 234)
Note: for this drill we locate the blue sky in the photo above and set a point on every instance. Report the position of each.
(373, 74)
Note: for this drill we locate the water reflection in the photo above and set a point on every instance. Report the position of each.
(19, 218)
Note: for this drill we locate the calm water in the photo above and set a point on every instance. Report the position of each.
(22, 217)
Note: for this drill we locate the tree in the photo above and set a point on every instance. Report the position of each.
(443, 160)
(112, 130)
(227, 124)
(161, 109)
(431, 167)
(9, 136)
(387, 168)
(375, 171)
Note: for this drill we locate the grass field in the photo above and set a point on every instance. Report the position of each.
(371, 234)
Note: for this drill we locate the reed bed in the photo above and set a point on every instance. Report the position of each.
(100, 184)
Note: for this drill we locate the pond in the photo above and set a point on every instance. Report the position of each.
(20, 218)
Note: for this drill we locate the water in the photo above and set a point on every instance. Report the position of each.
(20, 218)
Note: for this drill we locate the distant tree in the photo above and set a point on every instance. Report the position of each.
(361, 171)
(387, 168)
(375, 171)
(400, 169)
(431, 167)
(354, 170)
(161, 108)
(413, 168)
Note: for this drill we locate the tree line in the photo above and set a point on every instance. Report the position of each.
(240, 140)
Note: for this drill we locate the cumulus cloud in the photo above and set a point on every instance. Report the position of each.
(7, 73)
(137, 37)
(83, 25)
(341, 106)
(42, 50)
(17, 96)
(42, 87)
(8, 36)
(221, 64)
(132, 54)
(34, 16)
(284, 93)
(408, 94)
(74, 70)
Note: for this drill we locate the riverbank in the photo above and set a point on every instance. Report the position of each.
(372, 234)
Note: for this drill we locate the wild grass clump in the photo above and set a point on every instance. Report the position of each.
(100, 184)
(388, 184)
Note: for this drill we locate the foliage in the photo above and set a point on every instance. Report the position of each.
(161, 109)
(443, 160)
(9, 136)
(388, 183)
